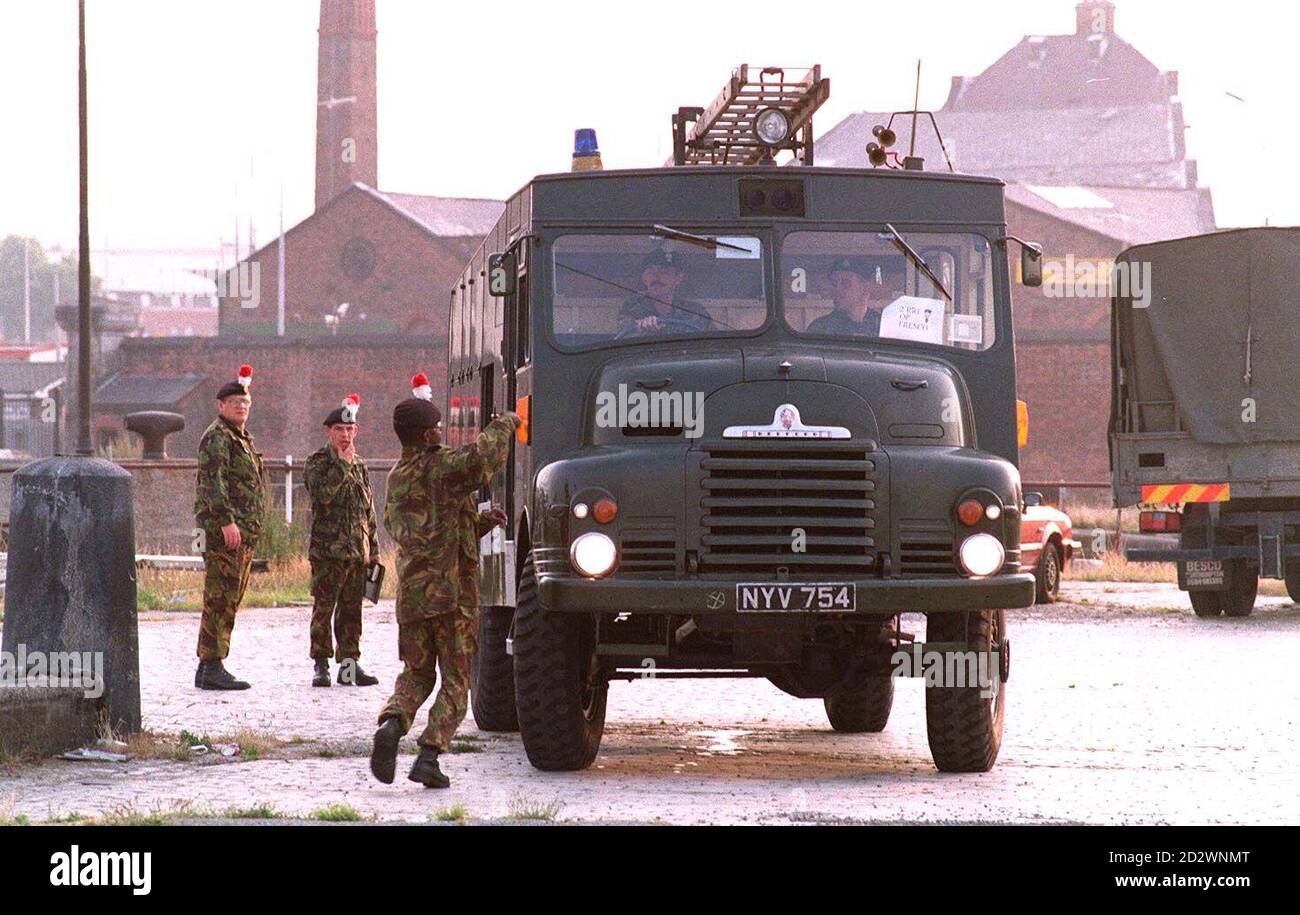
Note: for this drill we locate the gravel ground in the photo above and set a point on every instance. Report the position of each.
(1122, 707)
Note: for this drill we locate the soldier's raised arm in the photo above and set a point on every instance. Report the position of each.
(471, 466)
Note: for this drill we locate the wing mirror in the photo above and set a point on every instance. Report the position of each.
(1031, 260)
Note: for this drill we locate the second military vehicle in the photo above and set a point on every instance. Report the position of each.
(1205, 422)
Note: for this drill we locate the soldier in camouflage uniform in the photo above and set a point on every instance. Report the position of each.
(344, 544)
(430, 511)
(228, 505)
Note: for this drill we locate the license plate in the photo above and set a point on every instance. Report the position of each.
(824, 597)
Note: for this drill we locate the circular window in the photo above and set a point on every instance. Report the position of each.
(358, 259)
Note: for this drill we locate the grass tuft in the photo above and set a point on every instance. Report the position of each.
(337, 813)
(522, 808)
(454, 814)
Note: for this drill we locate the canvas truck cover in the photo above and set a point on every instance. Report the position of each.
(1221, 324)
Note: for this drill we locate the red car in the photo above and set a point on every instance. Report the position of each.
(1047, 545)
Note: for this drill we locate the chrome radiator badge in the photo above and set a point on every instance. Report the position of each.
(786, 424)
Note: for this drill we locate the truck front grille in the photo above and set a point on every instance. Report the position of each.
(647, 552)
(757, 496)
(925, 549)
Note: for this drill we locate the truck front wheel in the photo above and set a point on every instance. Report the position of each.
(964, 722)
(559, 693)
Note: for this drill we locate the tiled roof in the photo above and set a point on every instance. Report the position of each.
(1132, 216)
(449, 215)
(1134, 145)
(127, 393)
(25, 377)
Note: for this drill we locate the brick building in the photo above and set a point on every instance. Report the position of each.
(366, 262)
(367, 280)
(1088, 134)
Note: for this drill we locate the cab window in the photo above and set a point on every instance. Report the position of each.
(864, 285)
(635, 288)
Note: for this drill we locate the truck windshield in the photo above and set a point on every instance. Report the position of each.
(861, 284)
(636, 287)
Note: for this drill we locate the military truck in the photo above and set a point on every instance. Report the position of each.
(716, 477)
(1205, 421)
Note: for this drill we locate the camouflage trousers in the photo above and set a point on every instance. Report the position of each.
(225, 579)
(337, 586)
(446, 641)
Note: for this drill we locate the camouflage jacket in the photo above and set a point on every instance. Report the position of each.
(343, 524)
(231, 483)
(431, 513)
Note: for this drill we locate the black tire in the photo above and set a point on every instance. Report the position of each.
(1205, 604)
(1239, 599)
(862, 708)
(492, 674)
(963, 727)
(559, 693)
(1047, 575)
(1293, 580)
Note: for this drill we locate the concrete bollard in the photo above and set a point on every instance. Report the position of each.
(71, 579)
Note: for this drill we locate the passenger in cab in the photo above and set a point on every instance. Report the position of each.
(858, 297)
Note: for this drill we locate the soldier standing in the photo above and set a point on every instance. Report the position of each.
(431, 512)
(344, 544)
(228, 505)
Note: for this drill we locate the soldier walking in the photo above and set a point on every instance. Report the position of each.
(344, 545)
(431, 513)
(228, 505)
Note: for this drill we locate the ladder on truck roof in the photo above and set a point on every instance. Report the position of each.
(724, 134)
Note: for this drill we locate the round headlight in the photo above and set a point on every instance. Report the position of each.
(771, 126)
(981, 554)
(593, 554)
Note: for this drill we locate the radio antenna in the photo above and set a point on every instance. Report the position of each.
(916, 105)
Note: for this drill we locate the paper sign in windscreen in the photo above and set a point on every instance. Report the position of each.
(911, 317)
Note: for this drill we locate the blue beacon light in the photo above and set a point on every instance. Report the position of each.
(586, 152)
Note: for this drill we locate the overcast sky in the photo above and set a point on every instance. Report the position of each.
(201, 110)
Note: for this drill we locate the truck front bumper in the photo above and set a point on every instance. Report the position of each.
(705, 597)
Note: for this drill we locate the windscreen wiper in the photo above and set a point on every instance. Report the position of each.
(704, 241)
(917, 259)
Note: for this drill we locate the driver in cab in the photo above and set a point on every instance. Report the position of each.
(660, 310)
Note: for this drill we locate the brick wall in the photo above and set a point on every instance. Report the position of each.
(1062, 357)
(295, 384)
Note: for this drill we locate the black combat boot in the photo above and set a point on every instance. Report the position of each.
(383, 757)
(322, 675)
(351, 674)
(426, 771)
(213, 675)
